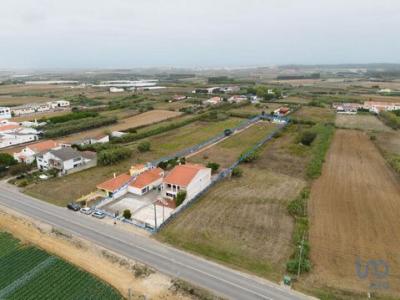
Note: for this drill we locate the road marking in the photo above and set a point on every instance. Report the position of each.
(272, 287)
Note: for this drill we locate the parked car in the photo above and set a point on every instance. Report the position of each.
(86, 210)
(98, 215)
(73, 206)
(228, 132)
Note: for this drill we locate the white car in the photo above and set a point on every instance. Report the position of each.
(86, 210)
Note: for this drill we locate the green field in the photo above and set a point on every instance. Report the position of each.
(27, 272)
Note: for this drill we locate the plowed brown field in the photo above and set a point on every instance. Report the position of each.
(355, 213)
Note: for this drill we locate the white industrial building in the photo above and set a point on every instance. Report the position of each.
(5, 113)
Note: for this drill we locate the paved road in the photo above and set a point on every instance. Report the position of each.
(219, 279)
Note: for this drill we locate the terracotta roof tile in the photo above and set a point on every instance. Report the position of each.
(182, 175)
(114, 183)
(147, 178)
(43, 146)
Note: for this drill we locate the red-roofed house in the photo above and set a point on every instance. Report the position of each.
(139, 185)
(192, 178)
(28, 154)
(146, 181)
(111, 186)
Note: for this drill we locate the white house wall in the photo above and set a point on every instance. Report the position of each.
(198, 183)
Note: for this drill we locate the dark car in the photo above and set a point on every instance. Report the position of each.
(73, 206)
(228, 132)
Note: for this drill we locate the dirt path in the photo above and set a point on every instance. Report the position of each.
(355, 214)
(129, 277)
(221, 140)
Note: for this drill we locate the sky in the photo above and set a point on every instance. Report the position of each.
(202, 33)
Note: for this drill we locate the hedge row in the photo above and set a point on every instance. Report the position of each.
(73, 126)
(390, 119)
(69, 117)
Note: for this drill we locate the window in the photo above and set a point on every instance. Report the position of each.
(77, 159)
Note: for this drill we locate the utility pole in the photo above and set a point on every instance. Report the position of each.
(155, 216)
(301, 252)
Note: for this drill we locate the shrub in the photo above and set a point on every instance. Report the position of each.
(293, 264)
(180, 197)
(307, 137)
(319, 149)
(23, 183)
(213, 166)
(248, 157)
(7, 160)
(144, 146)
(19, 169)
(112, 156)
(298, 206)
(163, 165)
(237, 172)
(127, 214)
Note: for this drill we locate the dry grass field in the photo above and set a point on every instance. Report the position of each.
(354, 214)
(381, 98)
(243, 222)
(143, 119)
(362, 122)
(229, 150)
(21, 100)
(316, 114)
(252, 109)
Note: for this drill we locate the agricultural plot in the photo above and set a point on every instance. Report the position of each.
(170, 142)
(361, 122)
(354, 218)
(30, 273)
(243, 222)
(228, 151)
(256, 109)
(143, 119)
(315, 114)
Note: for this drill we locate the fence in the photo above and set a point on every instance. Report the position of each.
(223, 174)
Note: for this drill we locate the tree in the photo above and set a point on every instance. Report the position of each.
(144, 146)
(180, 197)
(127, 214)
(7, 160)
(307, 137)
(113, 155)
(213, 166)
